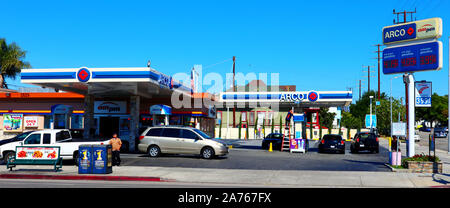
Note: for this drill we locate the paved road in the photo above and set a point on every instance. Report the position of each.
(248, 155)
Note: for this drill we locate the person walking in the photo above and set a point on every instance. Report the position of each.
(116, 143)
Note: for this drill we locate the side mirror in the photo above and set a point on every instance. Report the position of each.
(21, 143)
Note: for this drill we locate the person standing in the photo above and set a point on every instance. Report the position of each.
(116, 143)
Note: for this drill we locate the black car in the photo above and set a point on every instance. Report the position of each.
(19, 137)
(440, 132)
(275, 138)
(332, 143)
(365, 141)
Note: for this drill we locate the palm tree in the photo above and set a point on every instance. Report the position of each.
(11, 61)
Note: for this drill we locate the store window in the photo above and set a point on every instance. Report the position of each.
(47, 121)
(251, 117)
(77, 122)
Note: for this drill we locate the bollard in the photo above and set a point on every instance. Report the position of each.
(270, 147)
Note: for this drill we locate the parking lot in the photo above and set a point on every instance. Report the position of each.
(247, 154)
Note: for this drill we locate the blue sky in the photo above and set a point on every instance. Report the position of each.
(316, 45)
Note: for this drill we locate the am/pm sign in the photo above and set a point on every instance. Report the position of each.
(423, 29)
(423, 94)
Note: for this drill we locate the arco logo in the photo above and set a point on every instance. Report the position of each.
(313, 96)
(83, 74)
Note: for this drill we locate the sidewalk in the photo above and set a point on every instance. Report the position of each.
(239, 178)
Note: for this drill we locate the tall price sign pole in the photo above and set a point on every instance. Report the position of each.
(412, 47)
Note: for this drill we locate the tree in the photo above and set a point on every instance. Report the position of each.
(350, 122)
(325, 119)
(11, 61)
(437, 113)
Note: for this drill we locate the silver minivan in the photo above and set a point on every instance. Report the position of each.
(179, 140)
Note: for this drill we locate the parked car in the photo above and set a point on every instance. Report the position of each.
(48, 137)
(425, 129)
(365, 141)
(180, 140)
(332, 142)
(275, 138)
(19, 137)
(440, 132)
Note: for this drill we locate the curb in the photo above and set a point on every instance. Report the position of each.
(84, 177)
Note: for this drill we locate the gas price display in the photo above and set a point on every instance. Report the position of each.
(411, 58)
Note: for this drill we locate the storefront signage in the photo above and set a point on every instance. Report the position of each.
(110, 107)
(413, 58)
(160, 110)
(83, 74)
(299, 97)
(37, 153)
(30, 121)
(165, 81)
(12, 122)
(423, 94)
(61, 109)
(423, 29)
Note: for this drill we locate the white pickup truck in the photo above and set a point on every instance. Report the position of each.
(49, 137)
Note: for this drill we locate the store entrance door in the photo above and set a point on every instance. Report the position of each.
(109, 126)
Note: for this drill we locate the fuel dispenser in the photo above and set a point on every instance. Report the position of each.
(299, 142)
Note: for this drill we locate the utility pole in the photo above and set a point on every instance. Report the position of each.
(234, 90)
(359, 89)
(378, 51)
(368, 77)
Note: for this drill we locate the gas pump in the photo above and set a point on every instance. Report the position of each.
(299, 143)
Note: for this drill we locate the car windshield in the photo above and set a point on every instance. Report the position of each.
(365, 136)
(21, 137)
(202, 134)
(332, 137)
(276, 136)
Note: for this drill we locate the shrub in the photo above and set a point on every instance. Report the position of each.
(420, 158)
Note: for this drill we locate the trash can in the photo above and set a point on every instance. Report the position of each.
(85, 159)
(102, 159)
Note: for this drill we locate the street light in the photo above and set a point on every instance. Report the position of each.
(371, 112)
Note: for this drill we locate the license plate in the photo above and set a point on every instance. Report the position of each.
(361, 145)
(332, 146)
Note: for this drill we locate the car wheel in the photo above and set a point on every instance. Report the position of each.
(207, 153)
(154, 151)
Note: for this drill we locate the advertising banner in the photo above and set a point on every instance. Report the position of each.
(413, 58)
(411, 31)
(399, 129)
(12, 122)
(37, 153)
(297, 145)
(423, 94)
(30, 121)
